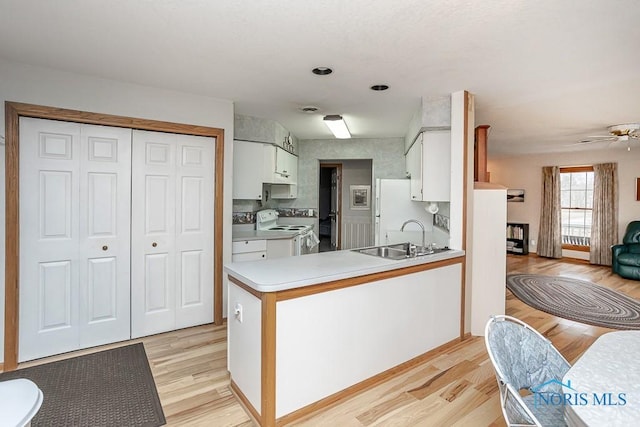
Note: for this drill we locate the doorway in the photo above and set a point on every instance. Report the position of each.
(329, 206)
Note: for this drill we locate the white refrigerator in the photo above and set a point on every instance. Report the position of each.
(393, 206)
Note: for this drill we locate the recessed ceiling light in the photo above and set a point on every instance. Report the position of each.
(322, 71)
(309, 109)
(379, 87)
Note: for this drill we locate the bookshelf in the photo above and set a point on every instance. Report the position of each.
(517, 238)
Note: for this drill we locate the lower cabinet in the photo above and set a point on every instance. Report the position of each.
(248, 250)
(253, 250)
(279, 248)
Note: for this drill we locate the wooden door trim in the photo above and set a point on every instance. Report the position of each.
(13, 111)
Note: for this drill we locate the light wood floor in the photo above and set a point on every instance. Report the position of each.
(454, 388)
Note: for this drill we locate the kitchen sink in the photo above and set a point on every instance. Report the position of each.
(400, 250)
(384, 252)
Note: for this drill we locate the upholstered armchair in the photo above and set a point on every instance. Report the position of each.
(626, 257)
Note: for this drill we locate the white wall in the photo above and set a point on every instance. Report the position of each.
(34, 85)
(526, 172)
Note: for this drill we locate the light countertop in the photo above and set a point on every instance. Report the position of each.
(299, 271)
(239, 236)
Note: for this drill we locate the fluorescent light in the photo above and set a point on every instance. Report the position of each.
(337, 126)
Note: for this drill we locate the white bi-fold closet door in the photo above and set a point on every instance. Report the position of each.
(172, 232)
(95, 265)
(75, 195)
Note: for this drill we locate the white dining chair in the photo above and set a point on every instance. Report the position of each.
(525, 363)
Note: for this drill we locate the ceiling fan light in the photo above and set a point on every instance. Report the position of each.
(337, 126)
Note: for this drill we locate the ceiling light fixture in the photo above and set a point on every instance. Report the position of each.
(322, 71)
(379, 87)
(309, 109)
(337, 126)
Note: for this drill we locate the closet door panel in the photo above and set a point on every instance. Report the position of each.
(153, 233)
(105, 234)
(49, 238)
(194, 238)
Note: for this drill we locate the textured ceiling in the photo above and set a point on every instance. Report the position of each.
(545, 73)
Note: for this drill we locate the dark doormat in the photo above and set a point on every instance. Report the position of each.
(109, 388)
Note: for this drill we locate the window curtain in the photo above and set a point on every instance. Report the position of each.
(604, 225)
(550, 232)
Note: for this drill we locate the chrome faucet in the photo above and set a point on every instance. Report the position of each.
(421, 226)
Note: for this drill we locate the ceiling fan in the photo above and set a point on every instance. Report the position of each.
(617, 133)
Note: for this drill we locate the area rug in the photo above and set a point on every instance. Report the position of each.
(109, 388)
(576, 300)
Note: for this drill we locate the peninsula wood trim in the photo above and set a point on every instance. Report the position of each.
(359, 280)
(364, 385)
(268, 361)
(246, 287)
(13, 112)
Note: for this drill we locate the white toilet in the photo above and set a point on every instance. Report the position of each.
(20, 400)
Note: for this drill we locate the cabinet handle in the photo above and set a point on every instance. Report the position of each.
(284, 171)
(262, 255)
(105, 247)
(154, 244)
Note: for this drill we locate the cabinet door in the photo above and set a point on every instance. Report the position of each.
(414, 169)
(279, 248)
(286, 168)
(284, 191)
(248, 170)
(436, 166)
(249, 256)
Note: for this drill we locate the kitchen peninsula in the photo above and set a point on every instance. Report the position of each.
(305, 332)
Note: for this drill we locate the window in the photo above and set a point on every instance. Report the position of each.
(576, 202)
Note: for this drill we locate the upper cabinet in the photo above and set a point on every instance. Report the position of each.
(428, 149)
(255, 163)
(263, 154)
(248, 170)
(428, 163)
(281, 167)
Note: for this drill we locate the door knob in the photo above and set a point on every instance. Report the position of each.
(154, 244)
(105, 247)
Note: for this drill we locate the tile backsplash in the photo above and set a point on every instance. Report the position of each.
(250, 217)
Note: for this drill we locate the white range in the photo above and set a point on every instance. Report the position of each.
(303, 242)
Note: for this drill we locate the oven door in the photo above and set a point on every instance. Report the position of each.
(305, 244)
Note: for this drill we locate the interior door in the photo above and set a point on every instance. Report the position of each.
(172, 232)
(334, 214)
(74, 203)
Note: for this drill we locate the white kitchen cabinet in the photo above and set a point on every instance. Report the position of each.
(248, 250)
(279, 248)
(428, 163)
(248, 170)
(281, 167)
(284, 191)
(414, 170)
